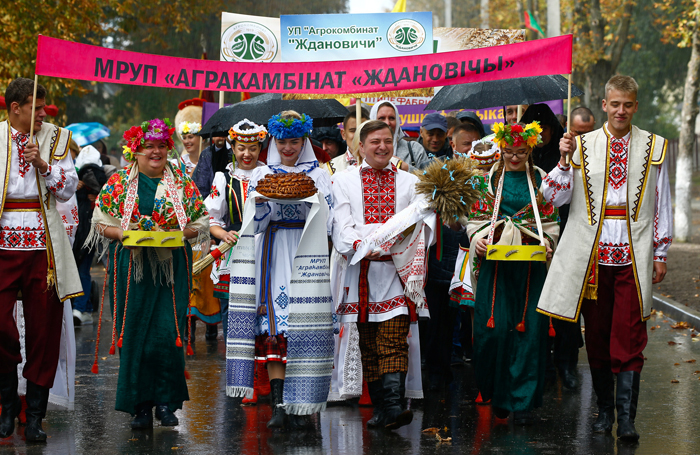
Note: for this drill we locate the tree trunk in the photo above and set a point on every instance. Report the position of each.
(484, 14)
(553, 18)
(684, 170)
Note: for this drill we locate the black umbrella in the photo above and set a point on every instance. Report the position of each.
(325, 112)
(524, 90)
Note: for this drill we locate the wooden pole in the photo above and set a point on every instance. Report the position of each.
(520, 113)
(31, 127)
(358, 112)
(568, 113)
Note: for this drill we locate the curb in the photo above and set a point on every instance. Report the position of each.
(676, 311)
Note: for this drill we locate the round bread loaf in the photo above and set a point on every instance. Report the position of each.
(295, 185)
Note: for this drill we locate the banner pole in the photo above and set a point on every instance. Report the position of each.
(221, 99)
(358, 112)
(520, 112)
(31, 127)
(568, 113)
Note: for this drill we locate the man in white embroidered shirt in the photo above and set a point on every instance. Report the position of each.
(614, 248)
(373, 295)
(35, 257)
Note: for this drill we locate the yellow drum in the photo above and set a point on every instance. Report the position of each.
(516, 253)
(158, 239)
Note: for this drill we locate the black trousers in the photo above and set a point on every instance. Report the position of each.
(438, 352)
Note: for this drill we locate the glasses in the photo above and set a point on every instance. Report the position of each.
(519, 155)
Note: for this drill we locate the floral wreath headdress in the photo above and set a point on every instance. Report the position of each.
(487, 157)
(254, 133)
(189, 128)
(151, 130)
(517, 135)
(288, 128)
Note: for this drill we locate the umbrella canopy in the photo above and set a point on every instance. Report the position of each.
(524, 90)
(87, 133)
(261, 108)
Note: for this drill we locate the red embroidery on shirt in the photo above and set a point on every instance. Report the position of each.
(557, 186)
(614, 253)
(374, 307)
(618, 162)
(21, 140)
(379, 194)
(22, 237)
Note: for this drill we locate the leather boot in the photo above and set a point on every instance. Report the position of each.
(568, 376)
(604, 387)
(276, 393)
(37, 400)
(166, 416)
(395, 416)
(298, 422)
(144, 417)
(375, 390)
(11, 403)
(627, 396)
(212, 332)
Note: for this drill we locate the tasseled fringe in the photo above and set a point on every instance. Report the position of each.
(244, 392)
(414, 291)
(95, 368)
(271, 340)
(552, 332)
(187, 375)
(96, 238)
(302, 409)
(591, 292)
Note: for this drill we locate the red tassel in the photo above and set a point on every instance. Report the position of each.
(552, 332)
(520, 327)
(491, 324)
(95, 369)
(119, 343)
(189, 350)
(112, 350)
(187, 374)
(342, 329)
(178, 342)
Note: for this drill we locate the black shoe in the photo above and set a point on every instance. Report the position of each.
(395, 416)
(166, 416)
(37, 400)
(144, 417)
(500, 412)
(626, 403)
(211, 333)
(457, 361)
(604, 387)
(568, 377)
(299, 423)
(276, 393)
(375, 393)
(11, 404)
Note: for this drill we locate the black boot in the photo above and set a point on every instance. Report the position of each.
(604, 387)
(276, 393)
(166, 416)
(568, 376)
(211, 333)
(627, 395)
(11, 404)
(37, 400)
(394, 414)
(144, 417)
(376, 394)
(299, 422)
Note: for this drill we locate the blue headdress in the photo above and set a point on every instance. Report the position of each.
(287, 128)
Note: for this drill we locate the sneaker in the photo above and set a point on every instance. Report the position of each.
(80, 318)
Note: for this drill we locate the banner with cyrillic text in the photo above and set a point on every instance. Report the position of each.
(70, 60)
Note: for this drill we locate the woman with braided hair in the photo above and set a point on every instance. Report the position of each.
(150, 305)
(510, 337)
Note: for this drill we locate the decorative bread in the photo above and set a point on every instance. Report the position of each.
(295, 185)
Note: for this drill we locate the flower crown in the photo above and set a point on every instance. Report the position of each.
(287, 128)
(254, 133)
(516, 135)
(189, 128)
(151, 130)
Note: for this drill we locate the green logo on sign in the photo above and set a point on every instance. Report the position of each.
(248, 42)
(248, 46)
(406, 35)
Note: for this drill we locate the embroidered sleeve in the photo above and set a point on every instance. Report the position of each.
(558, 185)
(663, 216)
(216, 201)
(345, 236)
(61, 179)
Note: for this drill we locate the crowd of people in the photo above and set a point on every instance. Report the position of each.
(309, 314)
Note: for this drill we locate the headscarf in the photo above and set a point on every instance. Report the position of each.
(88, 155)
(398, 132)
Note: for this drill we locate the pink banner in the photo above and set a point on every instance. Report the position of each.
(70, 60)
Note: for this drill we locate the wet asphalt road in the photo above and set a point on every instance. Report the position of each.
(211, 423)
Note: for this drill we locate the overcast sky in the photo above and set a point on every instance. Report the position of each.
(370, 6)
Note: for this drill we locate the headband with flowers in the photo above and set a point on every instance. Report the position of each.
(189, 128)
(253, 133)
(288, 128)
(517, 135)
(151, 130)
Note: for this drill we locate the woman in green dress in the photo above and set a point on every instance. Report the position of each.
(510, 337)
(150, 285)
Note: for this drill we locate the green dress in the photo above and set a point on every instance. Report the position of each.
(510, 365)
(151, 366)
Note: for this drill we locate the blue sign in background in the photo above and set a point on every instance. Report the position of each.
(329, 37)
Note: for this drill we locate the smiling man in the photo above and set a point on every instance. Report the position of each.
(368, 195)
(35, 254)
(614, 247)
(433, 135)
